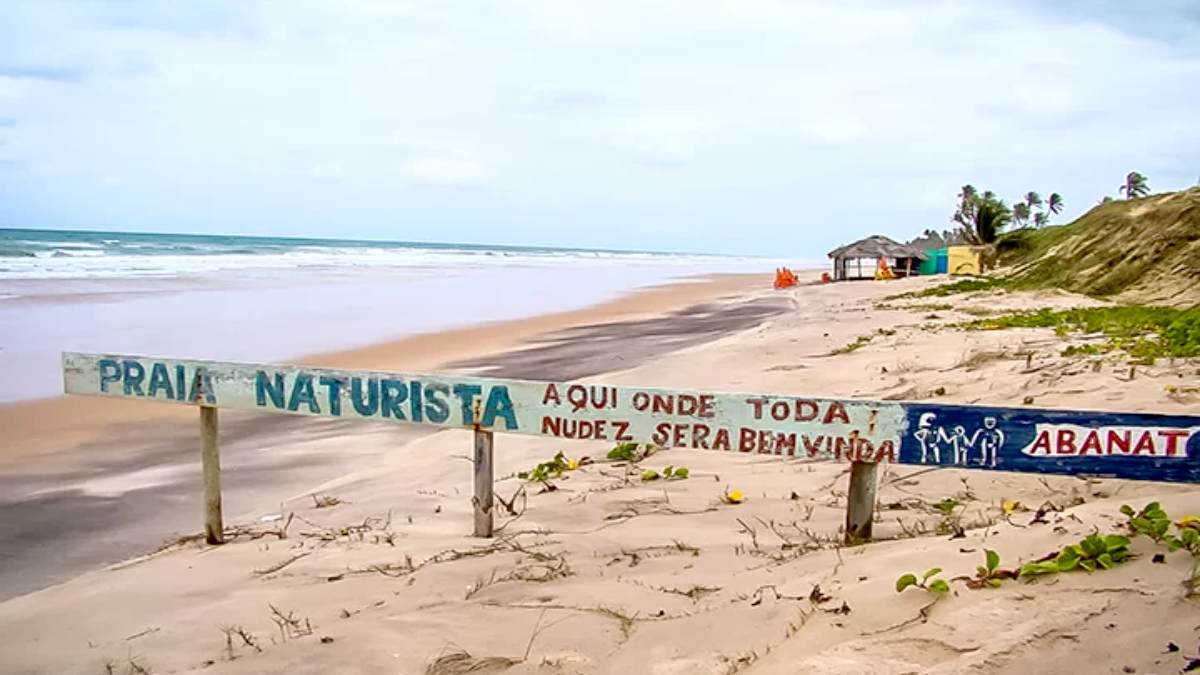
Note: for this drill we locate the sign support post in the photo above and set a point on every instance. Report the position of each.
(210, 459)
(483, 499)
(860, 503)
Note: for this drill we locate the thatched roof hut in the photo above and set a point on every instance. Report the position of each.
(903, 259)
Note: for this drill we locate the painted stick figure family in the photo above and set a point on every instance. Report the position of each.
(934, 439)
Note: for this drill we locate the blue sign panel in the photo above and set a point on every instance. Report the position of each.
(1125, 445)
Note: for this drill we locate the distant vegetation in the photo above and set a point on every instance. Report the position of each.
(1135, 186)
(960, 286)
(1144, 250)
(982, 217)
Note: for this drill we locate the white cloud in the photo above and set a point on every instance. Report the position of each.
(447, 170)
(835, 130)
(663, 138)
(784, 125)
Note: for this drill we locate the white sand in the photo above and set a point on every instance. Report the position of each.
(629, 578)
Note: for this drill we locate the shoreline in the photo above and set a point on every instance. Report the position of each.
(37, 427)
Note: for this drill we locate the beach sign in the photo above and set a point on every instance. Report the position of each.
(861, 432)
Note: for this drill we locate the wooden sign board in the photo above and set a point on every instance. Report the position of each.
(1124, 445)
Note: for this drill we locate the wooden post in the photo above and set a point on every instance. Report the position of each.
(210, 459)
(860, 504)
(859, 260)
(483, 499)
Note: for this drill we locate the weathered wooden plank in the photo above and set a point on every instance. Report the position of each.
(742, 422)
(1129, 445)
(483, 499)
(860, 503)
(210, 460)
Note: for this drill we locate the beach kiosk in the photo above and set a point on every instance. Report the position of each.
(860, 259)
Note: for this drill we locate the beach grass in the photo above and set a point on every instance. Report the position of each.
(1144, 331)
(969, 285)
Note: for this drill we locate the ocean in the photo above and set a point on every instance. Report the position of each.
(275, 298)
(64, 254)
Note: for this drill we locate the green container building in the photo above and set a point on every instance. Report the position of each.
(936, 262)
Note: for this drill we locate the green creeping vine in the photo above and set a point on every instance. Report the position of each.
(547, 470)
(934, 585)
(1096, 551)
(1155, 524)
(669, 473)
(989, 575)
(631, 452)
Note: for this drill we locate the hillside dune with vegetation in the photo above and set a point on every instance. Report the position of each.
(1144, 251)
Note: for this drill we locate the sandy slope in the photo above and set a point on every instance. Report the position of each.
(610, 575)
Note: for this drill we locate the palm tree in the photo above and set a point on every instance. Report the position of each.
(1055, 203)
(1135, 185)
(1020, 214)
(981, 217)
(992, 216)
(1040, 218)
(1033, 199)
(964, 214)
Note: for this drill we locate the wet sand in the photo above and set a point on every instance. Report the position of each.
(76, 503)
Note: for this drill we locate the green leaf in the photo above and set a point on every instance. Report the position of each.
(1104, 560)
(1127, 510)
(939, 586)
(993, 559)
(994, 583)
(667, 472)
(523, 475)
(624, 451)
(1088, 564)
(1115, 541)
(681, 472)
(906, 581)
(1037, 568)
(1093, 546)
(1067, 559)
(931, 572)
(650, 474)
(981, 571)
(947, 505)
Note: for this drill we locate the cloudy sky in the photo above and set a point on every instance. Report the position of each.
(749, 126)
